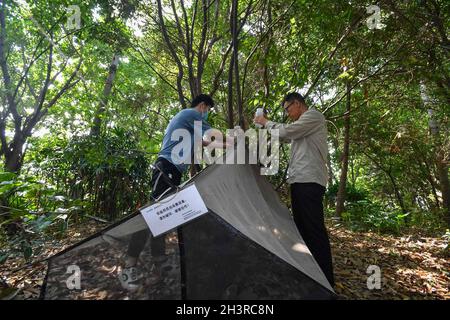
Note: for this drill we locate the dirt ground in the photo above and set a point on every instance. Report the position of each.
(409, 266)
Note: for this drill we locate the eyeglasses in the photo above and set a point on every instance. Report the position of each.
(287, 107)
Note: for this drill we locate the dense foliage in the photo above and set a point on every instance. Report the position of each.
(84, 107)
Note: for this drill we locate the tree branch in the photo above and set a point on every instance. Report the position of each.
(200, 53)
(215, 85)
(154, 70)
(260, 40)
(42, 110)
(364, 79)
(333, 52)
(174, 55)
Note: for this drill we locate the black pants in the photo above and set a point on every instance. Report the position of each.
(159, 185)
(307, 207)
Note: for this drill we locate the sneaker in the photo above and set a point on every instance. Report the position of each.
(130, 279)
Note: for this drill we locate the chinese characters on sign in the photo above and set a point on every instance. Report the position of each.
(174, 210)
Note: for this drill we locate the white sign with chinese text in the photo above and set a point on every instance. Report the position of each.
(174, 210)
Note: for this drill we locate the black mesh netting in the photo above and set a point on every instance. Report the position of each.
(100, 266)
(217, 262)
(221, 263)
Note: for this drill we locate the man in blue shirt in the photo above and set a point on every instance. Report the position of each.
(173, 160)
(178, 142)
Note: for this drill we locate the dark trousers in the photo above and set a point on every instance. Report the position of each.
(159, 185)
(307, 207)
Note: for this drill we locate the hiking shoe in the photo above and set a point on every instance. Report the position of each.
(130, 279)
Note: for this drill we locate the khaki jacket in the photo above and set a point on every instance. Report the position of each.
(308, 138)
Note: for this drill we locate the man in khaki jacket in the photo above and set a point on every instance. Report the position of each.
(307, 174)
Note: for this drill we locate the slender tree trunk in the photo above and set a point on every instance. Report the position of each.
(230, 112)
(352, 166)
(230, 77)
(217, 77)
(441, 166)
(95, 130)
(330, 170)
(344, 165)
(442, 169)
(266, 52)
(173, 53)
(397, 192)
(330, 201)
(432, 184)
(234, 31)
(441, 163)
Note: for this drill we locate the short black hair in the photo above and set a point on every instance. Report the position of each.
(294, 96)
(202, 98)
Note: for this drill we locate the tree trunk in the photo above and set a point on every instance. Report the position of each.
(344, 167)
(330, 170)
(230, 116)
(266, 53)
(441, 163)
(234, 32)
(14, 157)
(432, 184)
(173, 53)
(442, 169)
(95, 130)
(397, 192)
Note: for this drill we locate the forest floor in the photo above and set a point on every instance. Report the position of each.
(411, 266)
